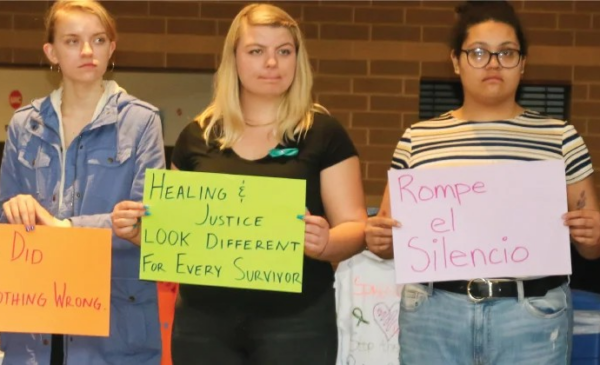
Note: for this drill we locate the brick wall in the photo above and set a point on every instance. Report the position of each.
(368, 55)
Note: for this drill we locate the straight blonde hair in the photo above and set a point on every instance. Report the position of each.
(222, 120)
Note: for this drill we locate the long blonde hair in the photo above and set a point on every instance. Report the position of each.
(223, 120)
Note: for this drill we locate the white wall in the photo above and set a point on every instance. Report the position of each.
(180, 96)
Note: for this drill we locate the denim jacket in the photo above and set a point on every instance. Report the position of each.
(104, 165)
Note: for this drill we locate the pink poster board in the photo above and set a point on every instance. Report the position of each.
(486, 221)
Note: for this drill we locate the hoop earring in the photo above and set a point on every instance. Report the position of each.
(113, 66)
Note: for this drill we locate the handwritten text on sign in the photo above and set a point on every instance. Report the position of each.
(223, 230)
(55, 280)
(500, 220)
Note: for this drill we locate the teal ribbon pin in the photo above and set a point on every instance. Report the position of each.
(287, 152)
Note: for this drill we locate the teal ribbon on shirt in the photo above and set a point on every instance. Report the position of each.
(287, 152)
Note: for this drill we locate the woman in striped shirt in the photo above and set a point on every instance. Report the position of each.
(490, 321)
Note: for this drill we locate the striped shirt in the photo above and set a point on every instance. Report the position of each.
(448, 141)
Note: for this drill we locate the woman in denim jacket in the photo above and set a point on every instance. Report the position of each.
(68, 159)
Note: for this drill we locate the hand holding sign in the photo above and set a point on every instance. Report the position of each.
(584, 226)
(316, 235)
(378, 235)
(126, 220)
(24, 209)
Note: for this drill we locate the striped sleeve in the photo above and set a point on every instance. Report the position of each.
(578, 164)
(401, 159)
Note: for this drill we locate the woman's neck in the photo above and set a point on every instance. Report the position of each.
(259, 111)
(474, 111)
(81, 97)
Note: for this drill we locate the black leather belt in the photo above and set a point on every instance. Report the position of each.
(480, 289)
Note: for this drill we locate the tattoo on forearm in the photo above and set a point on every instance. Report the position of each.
(581, 201)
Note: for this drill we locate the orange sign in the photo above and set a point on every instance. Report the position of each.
(167, 296)
(55, 280)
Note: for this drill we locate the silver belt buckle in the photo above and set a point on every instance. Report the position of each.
(479, 280)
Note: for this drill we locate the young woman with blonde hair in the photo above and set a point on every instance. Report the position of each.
(68, 159)
(263, 122)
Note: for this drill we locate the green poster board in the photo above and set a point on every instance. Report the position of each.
(223, 230)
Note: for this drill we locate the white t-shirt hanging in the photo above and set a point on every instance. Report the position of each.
(368, 304)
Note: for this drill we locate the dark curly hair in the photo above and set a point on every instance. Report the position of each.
(471, 13)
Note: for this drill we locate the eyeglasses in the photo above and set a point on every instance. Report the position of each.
(480, 57)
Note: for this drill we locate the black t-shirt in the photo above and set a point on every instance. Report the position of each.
(325, 144)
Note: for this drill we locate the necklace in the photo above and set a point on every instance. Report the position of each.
(254, 125)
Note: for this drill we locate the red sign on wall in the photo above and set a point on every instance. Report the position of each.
(15, 99)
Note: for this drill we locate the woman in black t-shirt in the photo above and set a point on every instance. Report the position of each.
(263, 122)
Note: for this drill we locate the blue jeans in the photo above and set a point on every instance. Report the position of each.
(440, 327)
